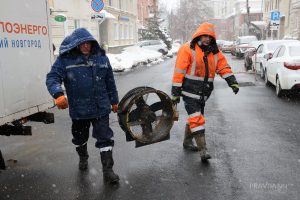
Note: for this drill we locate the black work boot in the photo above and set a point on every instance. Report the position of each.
(201, 143)
(107, 161)
(83, 156)
(188, 140)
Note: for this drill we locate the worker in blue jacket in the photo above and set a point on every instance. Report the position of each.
(91, 94)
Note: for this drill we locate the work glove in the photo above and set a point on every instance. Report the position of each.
(61, 102)
(114, 108)
(176, 99)
(235, 88)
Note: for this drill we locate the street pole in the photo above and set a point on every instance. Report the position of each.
(248, 16)
(272, 37)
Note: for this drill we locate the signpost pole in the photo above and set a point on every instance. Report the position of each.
(275, 23)
(271, 34)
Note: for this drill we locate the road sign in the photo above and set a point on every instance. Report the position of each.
(274, 28)
(275, 16)
(274, 23)
(98, 17)
(60, 18)
(97, 5)
(275, 20)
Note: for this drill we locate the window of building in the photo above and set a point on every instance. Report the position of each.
(110, 2)
(120, 4)
(125, 5)
(121, 36)
(77, 23)
(253, 18)
(130, 32)
(116, 32)
(131, 5)
(125, 31)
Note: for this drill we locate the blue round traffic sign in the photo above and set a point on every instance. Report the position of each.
(97, 5)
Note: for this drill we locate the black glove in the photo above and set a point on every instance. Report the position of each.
(232, 82)
(235, 88)
(176, 91)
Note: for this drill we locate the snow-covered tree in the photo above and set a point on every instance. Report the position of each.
(184, 21)
(154, 30)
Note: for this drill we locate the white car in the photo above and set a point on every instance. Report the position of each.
(227, 46)
(283, 69)
(155, 45)
(263, 52)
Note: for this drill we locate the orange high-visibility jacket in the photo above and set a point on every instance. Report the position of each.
(190, 67)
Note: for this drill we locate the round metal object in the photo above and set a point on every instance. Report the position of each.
(146, 115)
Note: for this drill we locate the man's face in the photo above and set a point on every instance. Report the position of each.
(85, 48)
(205, 40)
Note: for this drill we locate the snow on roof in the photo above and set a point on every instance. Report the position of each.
(108, 15)
(247, 36)
(252, 10)
(260, 24)
(230, 15)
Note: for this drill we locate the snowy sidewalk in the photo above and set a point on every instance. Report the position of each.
(134, 56)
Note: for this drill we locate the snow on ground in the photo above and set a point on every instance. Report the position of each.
(134, 56)
(175, 48)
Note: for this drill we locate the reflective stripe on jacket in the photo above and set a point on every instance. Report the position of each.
(189, 72)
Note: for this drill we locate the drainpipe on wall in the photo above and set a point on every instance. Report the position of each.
(288, 22)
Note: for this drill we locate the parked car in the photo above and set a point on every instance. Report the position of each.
(266, 48)
(220, 44)
(227, 46)
(233, 49)
(155, 45)
(283, 69)
(249, 53)
(242, 43)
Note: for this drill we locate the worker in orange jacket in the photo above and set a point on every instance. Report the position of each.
(197, 64)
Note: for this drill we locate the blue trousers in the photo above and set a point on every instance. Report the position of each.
(101, 131)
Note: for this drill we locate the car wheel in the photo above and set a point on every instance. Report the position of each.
(279, 91)
(262, 72)
(267, 82)
(161, 51)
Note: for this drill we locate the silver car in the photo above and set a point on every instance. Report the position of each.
(155, 45)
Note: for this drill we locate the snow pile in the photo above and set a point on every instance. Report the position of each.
(175, 48)
(132, 57)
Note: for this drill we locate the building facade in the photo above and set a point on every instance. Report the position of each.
(118, 30)
(145, 8)
(294, 25)
(77, 13)
(231, 17)
(241, 17)
(283, 7)
(289, 26)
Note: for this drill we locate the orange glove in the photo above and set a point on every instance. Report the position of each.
(61, 102)
(114, 108)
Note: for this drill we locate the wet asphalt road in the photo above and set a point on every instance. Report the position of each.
(253, 137)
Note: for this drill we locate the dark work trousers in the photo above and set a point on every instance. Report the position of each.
(101, 131)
